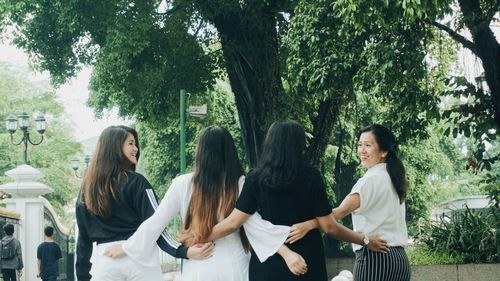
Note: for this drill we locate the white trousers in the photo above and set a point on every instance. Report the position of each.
(121, 269)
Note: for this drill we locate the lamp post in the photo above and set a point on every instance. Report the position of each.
(183, 130)
(194, 111)
(23, 122)
(75, 165)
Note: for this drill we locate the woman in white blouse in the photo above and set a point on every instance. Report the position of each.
(203, 198)
(377, 205)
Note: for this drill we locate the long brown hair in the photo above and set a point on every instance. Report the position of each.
(108, 164)
(215, 182)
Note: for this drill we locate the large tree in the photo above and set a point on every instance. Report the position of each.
(475, 16)
(143, 55)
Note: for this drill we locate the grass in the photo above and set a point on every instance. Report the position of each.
(423, 255)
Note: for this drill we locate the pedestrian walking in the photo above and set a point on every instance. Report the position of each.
(48, 254)
(11, 253)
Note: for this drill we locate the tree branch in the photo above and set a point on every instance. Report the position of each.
(456, 36)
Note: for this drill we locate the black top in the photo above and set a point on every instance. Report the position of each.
(48, 253)
(135, 203)
(304, 200)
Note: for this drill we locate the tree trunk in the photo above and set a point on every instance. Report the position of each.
(250, 48)
(337, 168)
(323, 123)
(487, 48)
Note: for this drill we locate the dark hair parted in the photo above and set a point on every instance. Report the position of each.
(387, 142)
(282, 155)
(108, 164)
(215, 182)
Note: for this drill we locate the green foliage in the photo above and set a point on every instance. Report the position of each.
(421, 254)
(436, 173)
(491, 184)
(470, 234)
(17, 93)
(329, 57)
(470, 114)
(359, 12)
(142, 58)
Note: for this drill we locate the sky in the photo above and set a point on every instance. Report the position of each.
(72, 95)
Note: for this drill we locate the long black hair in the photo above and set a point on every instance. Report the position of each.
(387, 142)
(282, 155)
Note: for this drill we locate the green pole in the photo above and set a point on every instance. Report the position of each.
(183, 145)
(183, 130)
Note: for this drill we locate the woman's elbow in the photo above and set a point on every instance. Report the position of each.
(331, 230)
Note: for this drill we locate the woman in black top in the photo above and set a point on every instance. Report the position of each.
(285, 190)
(114, 200)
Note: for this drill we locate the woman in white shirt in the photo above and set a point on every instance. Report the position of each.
(377, 205)
(203, 198)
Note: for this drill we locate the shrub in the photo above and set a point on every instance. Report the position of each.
(470, 234)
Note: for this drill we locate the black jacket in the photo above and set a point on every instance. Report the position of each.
(135, 203)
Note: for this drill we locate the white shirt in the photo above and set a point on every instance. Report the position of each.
(379, 210)
(264, 237)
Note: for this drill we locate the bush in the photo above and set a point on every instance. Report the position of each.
(470, 234)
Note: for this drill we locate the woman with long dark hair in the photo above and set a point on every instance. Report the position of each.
(285, 190)
(203, 198)
(114, 200)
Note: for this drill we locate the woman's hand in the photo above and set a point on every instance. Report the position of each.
(115, 251)
(201, 251)
(295, 262)
(378, 244)
(299, 230)
(187, 238)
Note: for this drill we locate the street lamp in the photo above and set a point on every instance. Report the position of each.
(75, 165)
(23, 122)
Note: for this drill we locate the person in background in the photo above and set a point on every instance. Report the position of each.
(12, 257)
(114, 200)
(286, 190)
(48, 254)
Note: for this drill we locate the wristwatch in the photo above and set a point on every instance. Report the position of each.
(366, 240)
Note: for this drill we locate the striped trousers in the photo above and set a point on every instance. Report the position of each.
(375, 266)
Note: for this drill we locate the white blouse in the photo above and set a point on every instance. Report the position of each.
(380, 211)
(264, 237)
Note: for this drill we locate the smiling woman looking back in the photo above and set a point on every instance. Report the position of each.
(114, 200)
(377, 205)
